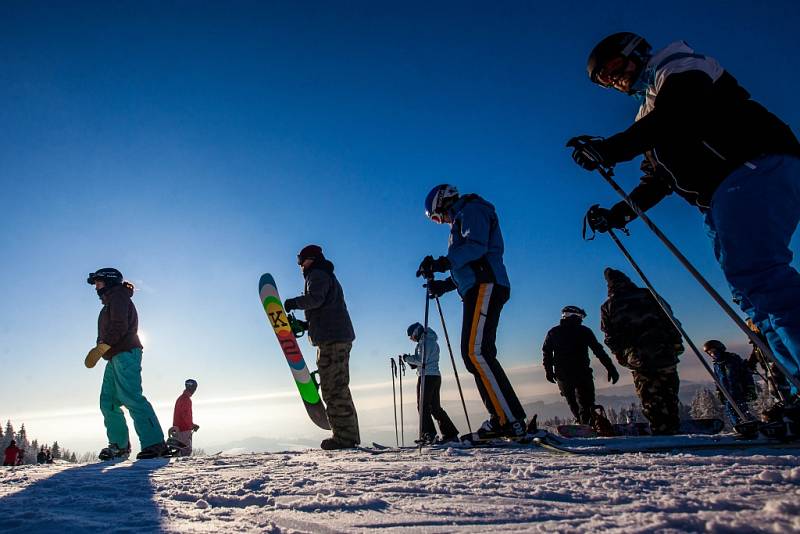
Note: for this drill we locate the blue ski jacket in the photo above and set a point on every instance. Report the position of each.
(476, 245)
(431, 358)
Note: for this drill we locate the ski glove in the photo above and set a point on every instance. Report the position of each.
(613, 375)
(603, 219)
(95, 354)
(548, 374)
(428, 266)
(195, 428)
(289, 305)
(587, 151)
(437, 288)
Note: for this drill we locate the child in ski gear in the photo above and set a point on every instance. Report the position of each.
(11, 453)
(565, 356)
(705, 139)
(183, 425)
(644, 340)
(475, 261)
(735, 377)
(430, 399)
(118, 325)
(330, 330)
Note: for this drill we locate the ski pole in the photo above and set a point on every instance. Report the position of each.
(402, 423)
(665, 307)
(421, 395)
(608, 174)
(453, 361)
(394, 399)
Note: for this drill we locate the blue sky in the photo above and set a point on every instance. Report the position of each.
(197, 145)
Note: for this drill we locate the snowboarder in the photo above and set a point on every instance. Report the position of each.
(475, 261)
(565, 355)
(183, 425)
(644, 340)
(11, 453)
(330, 330)
(734, 375)
(118, 343)
(706, 140)
(430, 399)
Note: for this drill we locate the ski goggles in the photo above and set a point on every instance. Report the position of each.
(609, 74)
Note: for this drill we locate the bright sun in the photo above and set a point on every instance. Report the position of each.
(143, 337)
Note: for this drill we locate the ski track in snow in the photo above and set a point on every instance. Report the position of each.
(502, 490)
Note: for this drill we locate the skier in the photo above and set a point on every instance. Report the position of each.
(11, 453)
(41, 456)
(118, 343)
(475, 261)
(430, 400)
(644, 340)
(735, 377)
(183, 425)
(330, 330)
(706, 140)
(565, 355)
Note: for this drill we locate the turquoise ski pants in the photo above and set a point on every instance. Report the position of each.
(122, 386)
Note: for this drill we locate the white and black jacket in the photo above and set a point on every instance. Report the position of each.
(696, 125)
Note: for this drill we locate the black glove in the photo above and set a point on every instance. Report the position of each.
(289, 305)
(588, 152)
(613, 375)
(428, 266)
(602, 219)
(548, 374)
(437, 288)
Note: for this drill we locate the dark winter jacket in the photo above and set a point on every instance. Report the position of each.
(734, 375)
(699, 125)
(566, 350)
(118, 323)
(636, 329)
(476, 244)
(323, 302)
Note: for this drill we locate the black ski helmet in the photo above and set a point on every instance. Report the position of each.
(623, 44)
(191, 383)
(414, 331)
(109, 275)
(572, 311)
(713, 344)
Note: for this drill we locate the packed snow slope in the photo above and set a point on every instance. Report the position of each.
(454, 490)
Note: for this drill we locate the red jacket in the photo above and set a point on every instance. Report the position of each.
(11, 455)
(182, 417)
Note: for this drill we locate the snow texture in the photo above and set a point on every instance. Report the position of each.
(477, 490)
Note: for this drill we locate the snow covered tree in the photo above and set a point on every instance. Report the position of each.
(705, 405)
(73, 459)
(56, 451)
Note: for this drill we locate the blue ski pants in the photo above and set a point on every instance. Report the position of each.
(122, 386)
(754, 213)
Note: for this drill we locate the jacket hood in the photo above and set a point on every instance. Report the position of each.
(114, 290)
(321, 264)
(430, 334)
(617, 281)
(459, 204)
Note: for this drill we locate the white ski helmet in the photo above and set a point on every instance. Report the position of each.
(439, 201)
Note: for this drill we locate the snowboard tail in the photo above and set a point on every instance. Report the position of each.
(278, 320)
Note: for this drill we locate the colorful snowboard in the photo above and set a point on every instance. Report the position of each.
(273, 306)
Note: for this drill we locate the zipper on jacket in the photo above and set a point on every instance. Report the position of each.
(675, 180)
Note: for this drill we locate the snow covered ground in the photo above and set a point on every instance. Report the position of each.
(502, 490)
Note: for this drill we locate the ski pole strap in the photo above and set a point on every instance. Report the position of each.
(394, 366)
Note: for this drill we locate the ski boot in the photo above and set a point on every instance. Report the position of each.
(426, 439)
(333, 444)
(114, 452)
(157, 450)
(448, 440)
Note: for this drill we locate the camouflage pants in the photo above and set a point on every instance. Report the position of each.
(658, 392)
(333, 363)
